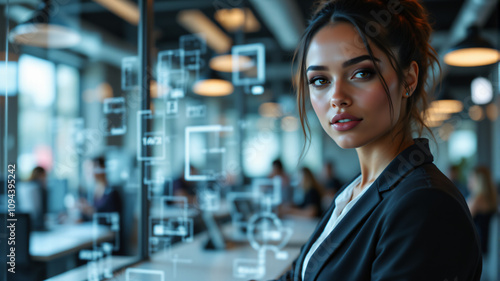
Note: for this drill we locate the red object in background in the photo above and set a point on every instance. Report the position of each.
(44, 157)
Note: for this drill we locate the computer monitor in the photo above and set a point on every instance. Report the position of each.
(242, 206)
(245, 208)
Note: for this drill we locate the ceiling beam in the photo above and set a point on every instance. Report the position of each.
(283, 18)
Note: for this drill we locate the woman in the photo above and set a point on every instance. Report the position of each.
(482, 202)
(106, 198)
(363, 65)
(313, 191)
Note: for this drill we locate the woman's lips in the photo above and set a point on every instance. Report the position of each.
(345, 126)
(344, 122)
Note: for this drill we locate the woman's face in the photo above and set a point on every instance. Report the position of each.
(346, 93)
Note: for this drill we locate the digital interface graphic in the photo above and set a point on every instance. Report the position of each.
(196, 111)
(172, 74)
(210, 162)
(249, 67)
(151, 143)
(171, 108)
(115, 111)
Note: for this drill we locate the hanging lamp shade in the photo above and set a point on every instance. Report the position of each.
(224, 63)
(271, 108)
(212, 84)
(213, 87)
(46, 29)
(441, 109)
(472, 51)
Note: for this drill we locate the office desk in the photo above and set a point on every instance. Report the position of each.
(65, 239)
(218, 265)
(194, 263)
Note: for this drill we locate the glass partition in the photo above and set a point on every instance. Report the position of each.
(69, 156)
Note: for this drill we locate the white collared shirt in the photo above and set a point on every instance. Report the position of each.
(342, 207)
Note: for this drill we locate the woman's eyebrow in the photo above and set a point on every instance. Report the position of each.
(344, 64)
(358, 60)
(316, 67)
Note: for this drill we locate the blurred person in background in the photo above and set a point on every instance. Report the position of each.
(331, 183)
(482, 202)
(40, 197)
(286, 190)
(311, 204)
(106, 199)
(39, 177)
(329, 178)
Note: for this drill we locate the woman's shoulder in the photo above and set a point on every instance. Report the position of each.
(427, 189)
(429, 179)
(428, 202)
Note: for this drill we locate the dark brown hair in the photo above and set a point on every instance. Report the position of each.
(400, 29)
(38, 173)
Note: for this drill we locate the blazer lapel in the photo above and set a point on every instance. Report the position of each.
(319, 229)
(346, 226)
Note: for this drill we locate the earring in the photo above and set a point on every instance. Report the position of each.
(407, 94)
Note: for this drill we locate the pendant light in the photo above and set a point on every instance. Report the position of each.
(472, 51)
(224, 63)
(212, 85)
(441, 109)
(46, 29)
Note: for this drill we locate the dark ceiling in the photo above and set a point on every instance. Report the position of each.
(442, 14)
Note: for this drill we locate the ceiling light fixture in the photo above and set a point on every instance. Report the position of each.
(235, 19)
(433, 124)
(492, 112)
(446, 106)
(433, 115)
(476, 113)
(224, 63)
(472, 51)
(213, 87)
(45, 29)
(196, 22)
(125, 9)
(481, 90)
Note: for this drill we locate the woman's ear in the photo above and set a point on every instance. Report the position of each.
(411, 77)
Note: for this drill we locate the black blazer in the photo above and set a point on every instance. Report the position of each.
(411, 224)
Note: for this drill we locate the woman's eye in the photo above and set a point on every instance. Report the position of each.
(318, 82)
(363, 74)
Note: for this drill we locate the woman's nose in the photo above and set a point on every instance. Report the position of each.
(339, 98)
